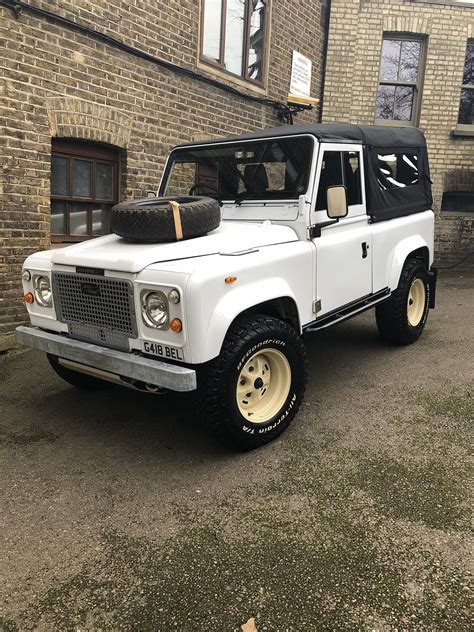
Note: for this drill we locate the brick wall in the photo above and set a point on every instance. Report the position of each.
(352, 71)
(58, 82)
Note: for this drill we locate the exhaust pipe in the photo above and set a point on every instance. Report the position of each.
(136, 385)
(143, 387)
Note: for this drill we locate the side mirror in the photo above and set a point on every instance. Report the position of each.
(337, 202)
(151, 194)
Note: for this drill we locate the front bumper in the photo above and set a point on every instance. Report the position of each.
(128, 365)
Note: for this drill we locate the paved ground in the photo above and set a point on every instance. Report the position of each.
(118, 513)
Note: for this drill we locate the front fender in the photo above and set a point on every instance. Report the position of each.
(401, 252)
(236, 302)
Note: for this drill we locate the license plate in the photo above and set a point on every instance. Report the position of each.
(163, 351)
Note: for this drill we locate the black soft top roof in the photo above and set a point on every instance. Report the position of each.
(384, 201)
(370, 135)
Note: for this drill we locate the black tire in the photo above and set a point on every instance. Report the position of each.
(248, 337)
(151, 220)
(392, 315)
(79, 380)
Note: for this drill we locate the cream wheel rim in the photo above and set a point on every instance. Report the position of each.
(263, 385)
(416, 302)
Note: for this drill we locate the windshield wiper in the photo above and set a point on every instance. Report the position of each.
(264, 195)
(246, 195)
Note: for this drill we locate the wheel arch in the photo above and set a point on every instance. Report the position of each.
(414, 247)
(271, 297)
(282, 307)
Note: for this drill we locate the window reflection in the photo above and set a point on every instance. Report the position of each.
(100, 220)
(81, 179)
(395, 102)
(104, 181)
(59, 175)
(212, 29)
(409, 61)
(58, 217)
(385, 102)
(234, 35)
(468, 76)
(256, 43)
(390, 60)
(83, 189)
(466, 109)
(398, 89)
(400, 60)
(78, 218)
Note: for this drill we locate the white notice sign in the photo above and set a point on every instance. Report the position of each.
(300, 84)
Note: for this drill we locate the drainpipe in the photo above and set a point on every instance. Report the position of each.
(325, 18)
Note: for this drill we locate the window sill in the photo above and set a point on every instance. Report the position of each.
(463, 131)
(392, 123)
(232, 79)
(457, 214)
(455, 3)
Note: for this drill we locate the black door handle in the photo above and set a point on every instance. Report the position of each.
(365, 247)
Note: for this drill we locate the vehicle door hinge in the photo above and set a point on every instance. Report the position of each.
(315, 229)
(317, 306)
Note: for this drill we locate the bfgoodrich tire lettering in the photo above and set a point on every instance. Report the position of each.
(402, 318)
(270, 345)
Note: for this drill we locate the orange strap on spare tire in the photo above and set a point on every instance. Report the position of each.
(166, 219)
(178, 229)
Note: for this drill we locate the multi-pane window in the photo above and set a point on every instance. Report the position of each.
(400, 79)
(84, 186)
(233, 36)
(466, 109)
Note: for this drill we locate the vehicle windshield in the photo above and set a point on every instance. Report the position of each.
(262, 169)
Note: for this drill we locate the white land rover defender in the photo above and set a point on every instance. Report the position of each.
(252, 241)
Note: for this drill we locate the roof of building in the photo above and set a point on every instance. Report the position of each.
(372, 135)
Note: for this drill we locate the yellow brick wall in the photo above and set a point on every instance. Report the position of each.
(58, 82)
(352, 71)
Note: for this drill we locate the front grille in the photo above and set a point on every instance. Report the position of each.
(96, 309)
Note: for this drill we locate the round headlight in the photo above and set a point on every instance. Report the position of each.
(43, 292)
(174, 297)
(155, 310)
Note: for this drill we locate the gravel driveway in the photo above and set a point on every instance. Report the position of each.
(119, 513)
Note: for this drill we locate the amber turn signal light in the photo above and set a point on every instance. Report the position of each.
(230, 279)
(176, 325)
(29, 298)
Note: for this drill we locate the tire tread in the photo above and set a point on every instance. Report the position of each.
(241, 333)
(391, 315)
(153, 223)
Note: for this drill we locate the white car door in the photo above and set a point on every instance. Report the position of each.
(343, 247)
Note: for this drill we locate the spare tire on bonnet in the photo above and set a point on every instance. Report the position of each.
(165, 219)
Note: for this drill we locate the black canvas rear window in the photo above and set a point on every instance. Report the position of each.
(397, 170)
